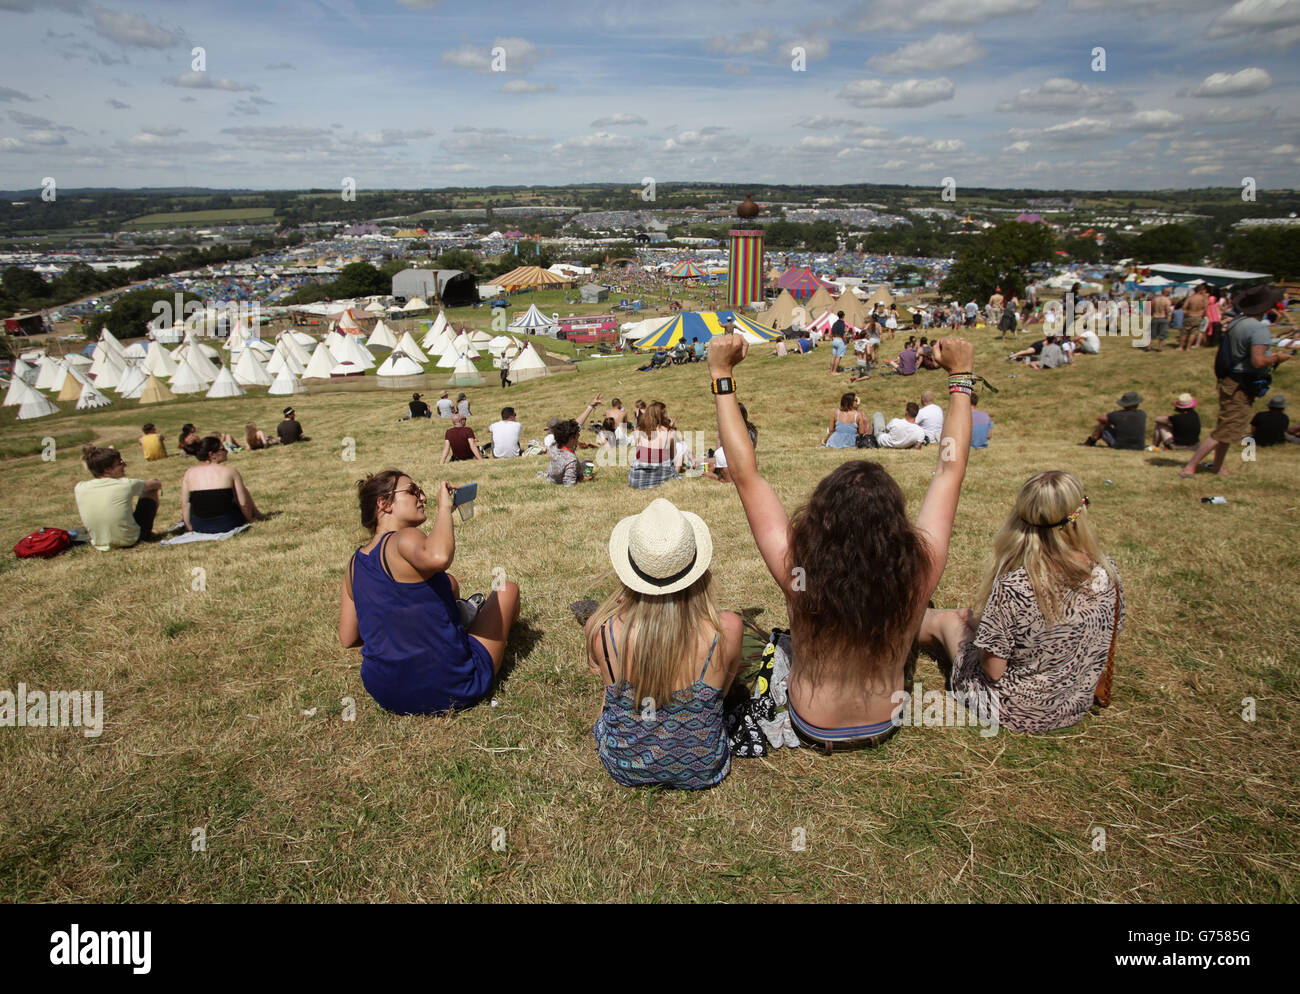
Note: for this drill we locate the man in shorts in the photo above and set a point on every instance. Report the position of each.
(1162, 309)
(1122, 429)
(1248, 339)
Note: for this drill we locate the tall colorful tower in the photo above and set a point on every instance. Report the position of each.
(745, 265)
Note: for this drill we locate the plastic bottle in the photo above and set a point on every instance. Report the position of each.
(1214, 500)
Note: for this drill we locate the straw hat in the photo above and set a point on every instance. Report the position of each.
(1185, 402)
(661, 550)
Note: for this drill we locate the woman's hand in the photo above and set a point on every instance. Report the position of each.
(445, 496)
(956, 355)
(725, 353)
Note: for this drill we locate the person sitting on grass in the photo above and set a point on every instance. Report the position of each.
(289, 429)
(848, 664)
(462, 405)
(255, 438)
(716, 465)
(118, 511)
(445, 407)
(1122, 429)
(152, 443)
(563, 467)
(901, 433)
(505, 434)
(418, 408)
(213, 496)
(847, 423)
(1052, 604)
(657, 457)
(667, 655)
(1271, 426)
(399, 604)
(459, 441)
(1180, 430)
(905, 364)
(1051, 357)
(190, 439)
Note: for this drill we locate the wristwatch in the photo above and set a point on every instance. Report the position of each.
(724, 384)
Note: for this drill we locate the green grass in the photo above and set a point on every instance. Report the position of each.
(175, 219)
(205, 691)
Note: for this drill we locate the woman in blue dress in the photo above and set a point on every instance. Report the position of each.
(399, 604)
(847, 423)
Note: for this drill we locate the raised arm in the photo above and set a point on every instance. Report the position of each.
(940, 505)
(589, 408)
(431, 554)
(767, 518)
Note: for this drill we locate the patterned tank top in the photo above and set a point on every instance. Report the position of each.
(681, 744)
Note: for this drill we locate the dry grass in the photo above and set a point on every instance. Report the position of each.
(205, 691)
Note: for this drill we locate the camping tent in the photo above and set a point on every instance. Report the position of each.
(89, 398)
(855, 313)
(399, 364)
(159, 361)
(285, 383)
(497, 346)
(224, 386)
(435, 335)
(319, 366)
(204, 367)
(249, 371)
(283, 358)
(531, 276)
(155, 391)
(780, 315)
(345, 368)
(25, 371)
(110, 374)
(50, 370)
(187, 380)
(690, 326)
(132, 382)
(527, 365)
(17, 391)
(381, 337)
(685, 270)
(464, 374)
(413, 305)
(375, 307)
(71, 384)
(407, 345)
(881, 295)
(32, 403)
(479, 338)
(819, 303)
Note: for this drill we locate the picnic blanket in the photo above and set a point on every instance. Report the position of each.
(188, 537)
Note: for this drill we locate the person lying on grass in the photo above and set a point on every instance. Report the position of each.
(399, 604)
(214, 498)
(847, 661)
(667, 654)
(1051, 602)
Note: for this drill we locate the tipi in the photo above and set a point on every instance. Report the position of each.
(155, 391)
(224, 386)
(285, 383)
(90, 398)
(464, 374)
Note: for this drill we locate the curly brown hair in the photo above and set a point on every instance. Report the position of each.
(864, 566)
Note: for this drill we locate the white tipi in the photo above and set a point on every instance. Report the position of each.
(407, 345)
(187, 380)
(285, 383)
(224, 386)
(159, 361)
(527, 365)
(33, 404)
(91, 398)
(381, 337)
(249, 371)
(319, 365)
(399, 364)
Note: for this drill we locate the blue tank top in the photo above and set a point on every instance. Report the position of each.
(684, 744)
(416, 657)
(845, 435)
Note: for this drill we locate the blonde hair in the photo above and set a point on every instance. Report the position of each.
(659, 643)
(250, 435)
(1034, 539)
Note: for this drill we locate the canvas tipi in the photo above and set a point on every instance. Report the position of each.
(132, 383)
(155, 391)
(527, 365)
(464, 374)
(320, 365)
(399, 364)
(33, 404)
(407, 345)
(285, 383)
(249, 371)
(159, 361)
(90, 398)
(224, 386)
(381, 337)
(70, 387)
(436, 334)
(187, 380)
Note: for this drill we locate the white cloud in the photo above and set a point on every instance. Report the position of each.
(943, 51)
(1065, 95)
(704, 138)
(206, 81)
(756, 42)
(601, 140)
(813, 48)
(44, 138)
(520, 55)
(904, 14)
(163, 130)
(947, 145)
(1277, 21)
(525, 86)
(1020, 146)
(132, 30)
(1236, 84)
(7, 95)
(824, 122)
(907, 93)
(620, 117)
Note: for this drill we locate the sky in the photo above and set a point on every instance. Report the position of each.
(290, 94)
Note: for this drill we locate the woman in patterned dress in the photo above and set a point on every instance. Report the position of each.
(1052, 602)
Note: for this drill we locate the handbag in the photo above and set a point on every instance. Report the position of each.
(1101, 696)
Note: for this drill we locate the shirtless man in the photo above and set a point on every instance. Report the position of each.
(995, 307)
(1194, 318)
(1162, 309)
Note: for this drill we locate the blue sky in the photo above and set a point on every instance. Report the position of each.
(408, 93)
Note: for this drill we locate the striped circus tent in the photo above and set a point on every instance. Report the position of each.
(530, 276)
(802, 283)
(703, 325)
(685, 270)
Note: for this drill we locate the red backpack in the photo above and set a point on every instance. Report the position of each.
(45, 543)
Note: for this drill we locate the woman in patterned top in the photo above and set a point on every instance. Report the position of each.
(667, 654)
(1052, 603)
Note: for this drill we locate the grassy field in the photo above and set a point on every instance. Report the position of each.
(225, 705)
(230, 215)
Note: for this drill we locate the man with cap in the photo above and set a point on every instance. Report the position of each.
(1180, 430)
(289, 429)
(419, 409)
(1242, 361)
(1269, 426)
(1122, 429)
(445, 407)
